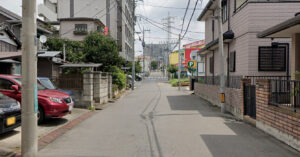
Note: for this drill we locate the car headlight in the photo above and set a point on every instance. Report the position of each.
(57, 100)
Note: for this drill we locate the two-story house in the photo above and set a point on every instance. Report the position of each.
(76, 28)
(245, 53)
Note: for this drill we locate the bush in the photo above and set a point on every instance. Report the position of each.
(174, 82)
(118, 77)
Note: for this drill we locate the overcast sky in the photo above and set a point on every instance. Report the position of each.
(155, 11)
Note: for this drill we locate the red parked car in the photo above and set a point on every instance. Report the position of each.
(52, 103)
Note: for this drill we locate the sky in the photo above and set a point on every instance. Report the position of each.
(156, 10)
(153, 11)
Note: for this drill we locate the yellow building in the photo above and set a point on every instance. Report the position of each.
(173, 58)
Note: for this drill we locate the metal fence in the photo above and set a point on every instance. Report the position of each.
(285, 93)
(254, 78)
(231, 82)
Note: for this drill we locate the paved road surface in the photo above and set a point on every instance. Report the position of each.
(156, 120)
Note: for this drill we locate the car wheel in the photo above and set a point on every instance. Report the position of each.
(40, 115)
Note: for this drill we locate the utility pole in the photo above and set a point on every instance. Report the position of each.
(29, 80)
(179, 62)
(221, 57)
(144, 45)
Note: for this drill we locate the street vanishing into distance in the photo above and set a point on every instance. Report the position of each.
(157, 120)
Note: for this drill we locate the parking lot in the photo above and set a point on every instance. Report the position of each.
(12, 139)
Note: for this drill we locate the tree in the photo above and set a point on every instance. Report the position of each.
(172, 69)
(74, 51)
(99, 48)
(154, 65)
(138, 66)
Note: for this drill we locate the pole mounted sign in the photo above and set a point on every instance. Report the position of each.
(192, 64)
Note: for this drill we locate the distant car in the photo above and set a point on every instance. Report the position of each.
(10, 114)
(52, 103)
(46, 82)
(138, 77)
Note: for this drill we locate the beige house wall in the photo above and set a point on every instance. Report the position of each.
(246, 23)
(67, 29)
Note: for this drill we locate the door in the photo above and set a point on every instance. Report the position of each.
(250, 101)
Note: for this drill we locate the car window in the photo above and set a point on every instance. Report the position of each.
(5, 84)
(47, 83)
(39, 86)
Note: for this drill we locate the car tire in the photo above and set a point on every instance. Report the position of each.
(40, 115)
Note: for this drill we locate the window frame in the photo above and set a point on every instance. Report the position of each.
(12, 83)
(232, 61)
(212, 65)
(283, 69)
(85, 29)
(225, 6)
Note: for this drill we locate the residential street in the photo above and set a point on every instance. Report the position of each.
(156, 120)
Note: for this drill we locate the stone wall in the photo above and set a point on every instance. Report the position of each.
(233, 97)
(280, 122)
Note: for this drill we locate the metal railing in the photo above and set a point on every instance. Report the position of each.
(232, 82)
(254, 78)
(285, 93)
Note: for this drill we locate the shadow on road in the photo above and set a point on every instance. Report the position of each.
(53, 122)
(8, 134)
(193, 103)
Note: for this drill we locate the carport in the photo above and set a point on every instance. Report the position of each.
(288, 29)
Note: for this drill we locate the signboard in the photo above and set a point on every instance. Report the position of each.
(192, 64)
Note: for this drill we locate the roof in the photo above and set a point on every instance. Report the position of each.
(9, 14)
(82, 19)
(206, 8)
(12, 36)
(284, 29)
(39, 28)
(49, 54)
(9, 61)
(9, 55)
(209, 45)
(81, 65)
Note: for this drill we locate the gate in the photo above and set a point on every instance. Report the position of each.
(250, 100)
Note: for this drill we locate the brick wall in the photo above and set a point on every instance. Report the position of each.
(282, 123)
(233, 97)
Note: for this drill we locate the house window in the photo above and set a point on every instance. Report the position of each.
(239, 3)
(224, 11)
(80, 27)
(211, 65)
(232, 61)
(272, 59)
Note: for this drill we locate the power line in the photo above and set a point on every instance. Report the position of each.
(187, 7)
(169, 7)
(167, 26)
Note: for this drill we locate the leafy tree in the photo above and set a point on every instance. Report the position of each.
(74, 51)
(138, 66)
(99, 48)
(154, 65)
(172, 69)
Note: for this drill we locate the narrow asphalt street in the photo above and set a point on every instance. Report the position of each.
(157, 120)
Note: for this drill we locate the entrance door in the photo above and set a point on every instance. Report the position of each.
(250, 101)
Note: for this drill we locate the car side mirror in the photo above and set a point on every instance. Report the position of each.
(15, 87)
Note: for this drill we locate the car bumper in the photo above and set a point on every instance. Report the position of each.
(58, 111)
(3, 127)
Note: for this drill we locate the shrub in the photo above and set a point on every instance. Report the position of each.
(118, 77)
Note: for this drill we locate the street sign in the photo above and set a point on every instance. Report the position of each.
(192, 64)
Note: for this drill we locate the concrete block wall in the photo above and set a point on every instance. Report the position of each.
(281, 123)
(88, 90)
(104, 88)
(97, 86)
(233, 97)
(110, 89)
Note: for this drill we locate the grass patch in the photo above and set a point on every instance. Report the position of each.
(174, 82)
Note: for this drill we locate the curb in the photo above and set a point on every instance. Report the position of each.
(49, 138)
